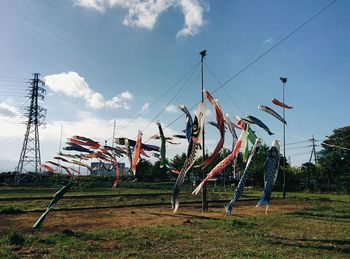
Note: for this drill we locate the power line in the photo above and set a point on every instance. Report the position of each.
(8, 87)
(298, 142)
(300, 154)
(177, 93)
(299, 147)
(263, 55)
(276, 45)
(292, 136)
(253, 62)
(335, 146)
(164, 94)
(227, 92)
(13, 77)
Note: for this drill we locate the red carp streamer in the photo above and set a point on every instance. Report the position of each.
(221, 126)
(117, 175)
(279, 103)
(49, 168)
(137, 152)
(220, 166)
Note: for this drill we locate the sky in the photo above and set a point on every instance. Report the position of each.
(106, 60)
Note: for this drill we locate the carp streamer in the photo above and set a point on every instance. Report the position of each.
(192, 152)
(270, 173)
(220, 122)
(240, 187)
(223, 163)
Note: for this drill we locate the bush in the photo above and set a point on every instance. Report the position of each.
(15, 238)
(10, 210)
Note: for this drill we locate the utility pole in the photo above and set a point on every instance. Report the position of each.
(284, 81)
(313, 152)
(203, 53)
(313, 140)
(30, 159)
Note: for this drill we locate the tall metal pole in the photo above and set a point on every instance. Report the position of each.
(284, 81)
(308, 165)
(61, 135)
(113, 133)
(30, 158)
(203, 53)
(60, 149)
(313, 148)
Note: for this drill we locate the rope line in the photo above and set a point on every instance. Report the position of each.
(263, 55)
(161, 96)
(276, 45)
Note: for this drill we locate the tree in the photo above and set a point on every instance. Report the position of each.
(334, 160)
(256, 176)
(178, 161)
(160, 174)
(144, 171)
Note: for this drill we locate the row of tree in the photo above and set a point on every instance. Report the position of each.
(331, 172)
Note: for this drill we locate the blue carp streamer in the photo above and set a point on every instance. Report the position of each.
(239, 190)
(270, 173)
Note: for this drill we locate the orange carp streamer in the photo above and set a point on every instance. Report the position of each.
(279, 103)
(137, 152)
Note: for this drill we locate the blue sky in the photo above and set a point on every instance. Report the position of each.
(103, 60)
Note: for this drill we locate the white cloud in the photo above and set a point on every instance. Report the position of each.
(142, 13)
(74, 85)
(145, 13)
(269, 40)
(8, 110)
(144, 107)
(193, 13)
(171, 108)
(85, 124)
(98, 5)
(126, 95)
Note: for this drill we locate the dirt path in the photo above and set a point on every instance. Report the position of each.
(87, 220)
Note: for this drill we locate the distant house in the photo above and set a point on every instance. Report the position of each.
(98, 168)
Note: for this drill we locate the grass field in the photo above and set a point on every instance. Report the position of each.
(302, 226)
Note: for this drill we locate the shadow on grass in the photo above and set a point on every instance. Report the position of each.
(342, 246)
(325, 212)
(182, 215)
(311, 214)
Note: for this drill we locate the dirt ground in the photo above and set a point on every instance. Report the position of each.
(88, 220)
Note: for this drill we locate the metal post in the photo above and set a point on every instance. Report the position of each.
(284, 81)
(30, 158)
(313, 148)
(113, 133)
(308, 165)
(60, 149)
(205, 190)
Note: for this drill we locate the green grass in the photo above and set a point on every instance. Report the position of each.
(30, 205)
(10, 210)
(43, 196)
(19, 192)
(321, 231)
